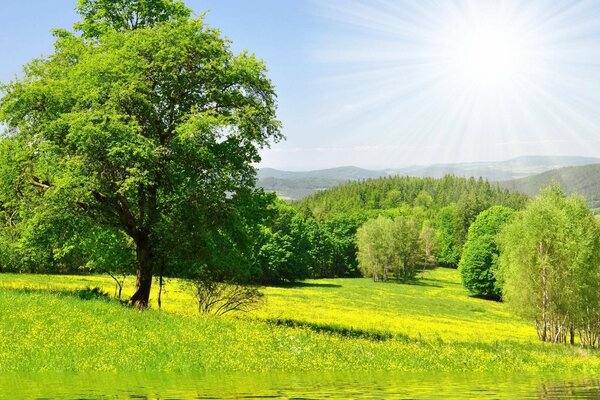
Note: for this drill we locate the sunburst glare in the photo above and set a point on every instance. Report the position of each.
(487, 56)
(458, 81)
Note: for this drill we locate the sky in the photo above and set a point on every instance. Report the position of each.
(391, 83)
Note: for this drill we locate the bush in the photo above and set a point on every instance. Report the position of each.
(219, 298)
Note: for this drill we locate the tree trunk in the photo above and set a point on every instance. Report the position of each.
(160, 289)
(143, 283)
(545, 301)
(385, 272)
(120, 290)
(572, 334)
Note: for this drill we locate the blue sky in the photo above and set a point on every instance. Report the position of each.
(392, 83)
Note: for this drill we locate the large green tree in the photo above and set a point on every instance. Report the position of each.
(550, 266)
(389, 246)
(142, 121)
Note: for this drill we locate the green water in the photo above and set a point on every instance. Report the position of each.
(301, 386)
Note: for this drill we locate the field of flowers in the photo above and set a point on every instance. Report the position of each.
(48, 323)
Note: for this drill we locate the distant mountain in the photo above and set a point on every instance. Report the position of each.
(584, 180)
(340, 173)
(296, 185)
(500, 170)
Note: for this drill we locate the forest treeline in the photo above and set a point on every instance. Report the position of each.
(432, 215)
(391, 192)
(269, 241)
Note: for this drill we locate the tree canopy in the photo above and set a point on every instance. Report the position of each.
(102, 16)
(143, 126)
(446, 207)
(389, 246)
(479, 258)
(550, 266)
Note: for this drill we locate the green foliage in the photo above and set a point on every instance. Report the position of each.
(478, 262)
(429, 193)
(291, 245)
(448, 238)
(373, 257)
(9, 259)
(224, 250)
(406, 247)
(321, 251)
(102, 16)
(550, 266)
(428, 237)
(143, 129)
(389, 246)
(444, 208)
(284, 250)
(342, 230)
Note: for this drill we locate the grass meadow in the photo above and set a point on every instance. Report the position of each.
(46, 325)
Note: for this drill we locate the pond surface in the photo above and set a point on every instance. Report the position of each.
(302, 386)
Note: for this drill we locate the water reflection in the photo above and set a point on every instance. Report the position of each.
(297, 386)
(584, 389)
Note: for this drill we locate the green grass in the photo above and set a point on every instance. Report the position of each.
(436, 307)
(336, 324)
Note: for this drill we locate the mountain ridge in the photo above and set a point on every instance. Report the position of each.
(294, 185)
(583, 180)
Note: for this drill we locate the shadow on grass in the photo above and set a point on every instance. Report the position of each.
(483, 297)
(306, 285)
(332, 329)
(416, 281)
(419, 282)
(83, 294)
(445, 282)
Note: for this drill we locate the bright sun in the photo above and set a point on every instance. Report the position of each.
(461, 79)
(490, 56)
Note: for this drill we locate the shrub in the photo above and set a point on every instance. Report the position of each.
(219, 298)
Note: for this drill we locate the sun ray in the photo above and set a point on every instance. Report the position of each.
(461, 80)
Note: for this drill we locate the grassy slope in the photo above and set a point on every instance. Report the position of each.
(437, 307)
(435, 326)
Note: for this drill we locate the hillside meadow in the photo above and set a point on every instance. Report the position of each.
(50, 323)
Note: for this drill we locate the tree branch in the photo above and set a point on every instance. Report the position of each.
(40, 184)
(126, 216)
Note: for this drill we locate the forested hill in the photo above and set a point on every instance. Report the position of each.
(584, 180)
(428, 193)
(296, 185)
